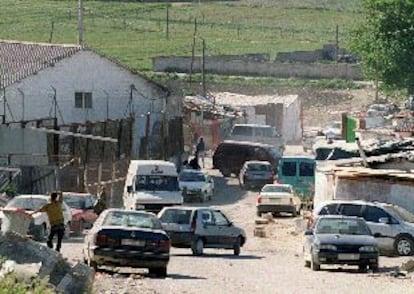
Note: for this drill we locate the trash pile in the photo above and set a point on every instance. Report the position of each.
(28, 259)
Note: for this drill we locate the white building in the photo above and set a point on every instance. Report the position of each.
(73, 84)
(282, 112)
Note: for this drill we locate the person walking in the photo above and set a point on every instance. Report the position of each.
(200, 150)
(54, 211)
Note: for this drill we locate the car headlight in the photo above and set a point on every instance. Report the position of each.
(327, 247)
(368, 249)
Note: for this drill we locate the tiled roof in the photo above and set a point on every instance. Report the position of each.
(19, 60)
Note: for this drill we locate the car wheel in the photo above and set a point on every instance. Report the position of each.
(314, 265)
(294, 213)
(42, 233)
(225, 172)
(404, 246)
(237, 246)
(373, 267)
(307, 263)
(258, 213)
(158, 271)
(93, 265)
(66, 234)
(362, 268)
(198, 247)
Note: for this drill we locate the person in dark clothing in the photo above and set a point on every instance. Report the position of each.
(194, 163)
(200, 150)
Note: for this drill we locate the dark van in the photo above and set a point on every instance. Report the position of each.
(230, 156)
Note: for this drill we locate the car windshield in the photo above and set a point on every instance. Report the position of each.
(342, 226)
(131, 219)
(258, 167)
(156, 183)
(27, 203)
(276, 189)
(74, 201)
(176, 216)
(191, 177)
(401, 213)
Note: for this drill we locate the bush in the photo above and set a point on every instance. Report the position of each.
(10, 285)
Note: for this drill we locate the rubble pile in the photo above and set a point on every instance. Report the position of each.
(52, 266)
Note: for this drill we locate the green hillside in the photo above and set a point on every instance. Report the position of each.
(134, 32)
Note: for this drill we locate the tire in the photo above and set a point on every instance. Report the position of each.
(160, 272)
(294, 213)
(404, 246)
(314, 266)
(66, 234)
(307, 263)
(225, 172)
(80, 228)
(237, 245)
(362, 268)
(93, 265)
(198, 247)
(258, 214)
(373, 267)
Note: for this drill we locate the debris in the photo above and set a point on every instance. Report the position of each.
(261, 221)
(269, 217)
(259, 231)
(407, 266)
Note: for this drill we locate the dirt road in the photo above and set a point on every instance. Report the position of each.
(266, 265)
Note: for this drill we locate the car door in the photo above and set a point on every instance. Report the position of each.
(206, 226)
(226, 233)
(385, 231)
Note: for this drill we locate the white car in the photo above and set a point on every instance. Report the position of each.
(39, 227)
(196, 185)
(277, 198)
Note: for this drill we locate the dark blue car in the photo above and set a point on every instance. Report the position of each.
(340, 240)
(128, 238)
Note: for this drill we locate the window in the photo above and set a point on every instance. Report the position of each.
(242, 131)
(289, 169)
(351, 210)
(373, 214)
(83, 100)
(306, 169)
(329, 209)
(207, 217)
(220, 219)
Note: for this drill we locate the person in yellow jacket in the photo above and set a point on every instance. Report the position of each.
(54, 211)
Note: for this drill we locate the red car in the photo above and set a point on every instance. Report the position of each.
(81, 205)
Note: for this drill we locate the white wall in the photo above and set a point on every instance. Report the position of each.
(324, 187)
(292, 126)
(85, 71)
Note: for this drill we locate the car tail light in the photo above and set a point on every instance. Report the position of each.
(259, 200)
(193, 225)
(101, 240)
(164, 245)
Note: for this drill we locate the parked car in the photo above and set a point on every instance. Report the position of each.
(196, 185)
(392, 225)
(201, 227)
(81, 206)
(128, 238)
(230, 156)
(277, 198)
(255, 174)
(340, 240)
(39, 227)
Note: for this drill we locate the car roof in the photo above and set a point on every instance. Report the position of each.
(28, 196)
(191, 208)
(128, 211)
(279, 185)
(360, 202)
(77, 194)
(340, 216)
(245, 143)
(257, 162)
(194, 171)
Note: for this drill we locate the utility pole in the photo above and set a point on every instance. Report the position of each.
(80, 22)
(203, 69)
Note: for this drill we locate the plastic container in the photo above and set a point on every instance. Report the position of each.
(15, 221)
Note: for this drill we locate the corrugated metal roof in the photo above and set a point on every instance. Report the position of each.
(19, 60)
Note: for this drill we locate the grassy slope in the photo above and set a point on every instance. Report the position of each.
(135, 32)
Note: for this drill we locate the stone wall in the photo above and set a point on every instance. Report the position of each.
(224, 66)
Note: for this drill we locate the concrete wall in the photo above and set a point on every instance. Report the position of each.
(327, 187)
(292, 124)
(275, 69)
(16, 141)
(86, 71)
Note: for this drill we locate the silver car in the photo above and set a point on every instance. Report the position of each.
(201, 227)
(391, 225)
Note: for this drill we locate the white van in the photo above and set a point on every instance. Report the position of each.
(257, 133)
(150, 185)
